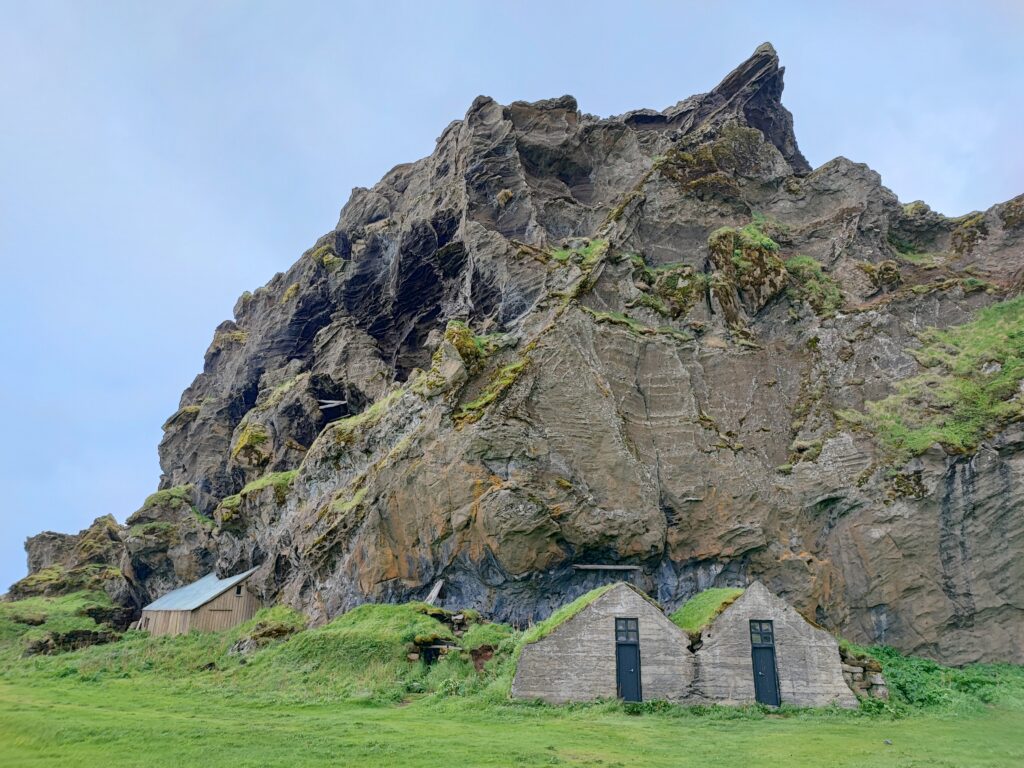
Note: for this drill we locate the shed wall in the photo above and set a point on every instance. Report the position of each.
(165, 622)
(225, 611)
(576, 662)
(807, 658)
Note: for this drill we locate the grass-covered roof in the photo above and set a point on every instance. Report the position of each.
(701, 609)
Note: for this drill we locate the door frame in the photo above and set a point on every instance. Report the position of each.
(630, 636)
(762, 636)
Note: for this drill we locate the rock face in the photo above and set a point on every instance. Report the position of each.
(657, 339)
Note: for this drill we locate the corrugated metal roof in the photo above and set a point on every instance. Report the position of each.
(198, 593)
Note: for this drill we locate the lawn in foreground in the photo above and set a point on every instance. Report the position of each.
(113, 723)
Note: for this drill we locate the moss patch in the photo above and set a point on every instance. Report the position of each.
(346, 503)
(249, 442)
(346, 430)
(281, 482)
(502, 379)
(157, 528)
(969, 390)
(586, 255)
(970, 230)
(711, 168)
(810, 283)
(170, 497)
(182, 416)
(225, 339)
(326, 257)
(1012, 213)
(276, 395)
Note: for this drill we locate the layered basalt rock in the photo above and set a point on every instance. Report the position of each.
(645, 382)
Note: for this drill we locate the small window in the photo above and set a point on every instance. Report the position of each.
(238, 591)
(761, 632)
(627, 631)
(145, 622)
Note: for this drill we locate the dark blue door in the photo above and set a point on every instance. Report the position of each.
(762, 651)
(627, 660)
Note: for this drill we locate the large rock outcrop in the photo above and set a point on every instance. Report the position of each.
(657, 339)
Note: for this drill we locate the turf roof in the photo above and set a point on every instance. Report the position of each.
(701, 609)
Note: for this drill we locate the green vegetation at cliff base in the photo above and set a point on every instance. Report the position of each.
(348, 691)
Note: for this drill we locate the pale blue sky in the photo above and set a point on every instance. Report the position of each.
(157, 159)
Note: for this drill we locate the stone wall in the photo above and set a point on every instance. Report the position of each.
(864, 676)
(807, 658)
(576, 662)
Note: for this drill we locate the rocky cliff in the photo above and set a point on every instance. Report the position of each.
(659, 339)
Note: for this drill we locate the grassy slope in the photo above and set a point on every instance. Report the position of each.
(344, 694)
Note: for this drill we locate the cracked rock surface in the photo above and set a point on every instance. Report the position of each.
(563, 340)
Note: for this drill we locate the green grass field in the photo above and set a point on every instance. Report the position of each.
(345, 695)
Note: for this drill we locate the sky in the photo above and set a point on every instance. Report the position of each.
(157, 160)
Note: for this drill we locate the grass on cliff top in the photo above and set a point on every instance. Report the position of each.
(969, 390)
(701, 609)
(179, 494)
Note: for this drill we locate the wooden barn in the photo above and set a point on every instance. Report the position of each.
(207, 604)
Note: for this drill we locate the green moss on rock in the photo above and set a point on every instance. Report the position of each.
(281, 482)
(326, 257)
(810, 283)
(345, 431)
(501, 380)
(248, 444)
(586, 255)
(177, 496)
(969, 389)
(970, 230)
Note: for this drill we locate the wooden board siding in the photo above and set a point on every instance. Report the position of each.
(225, 611)
(165, 622)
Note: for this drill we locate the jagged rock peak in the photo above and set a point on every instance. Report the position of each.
(755, 88)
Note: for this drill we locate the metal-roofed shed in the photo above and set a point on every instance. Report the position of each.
(211, 603)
